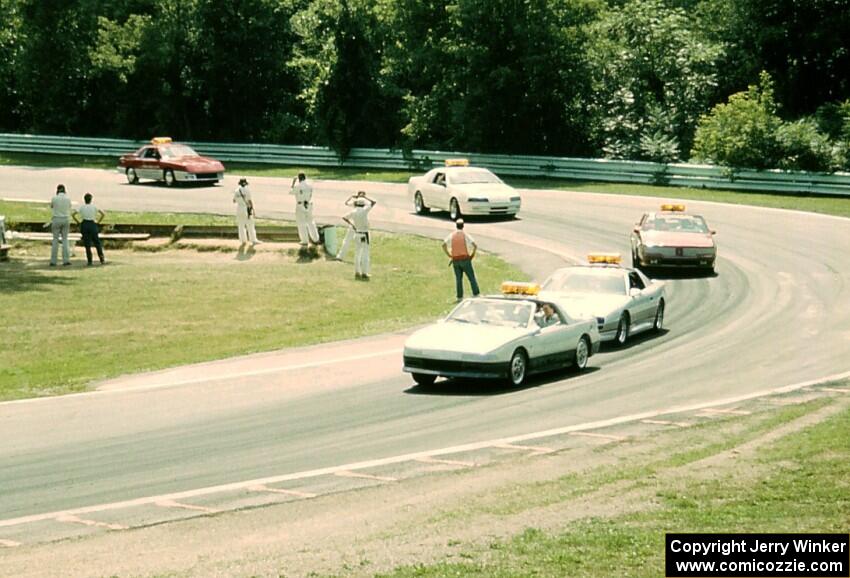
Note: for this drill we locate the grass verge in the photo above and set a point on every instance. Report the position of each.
(791, 481)
(839, 206)
(67, 326)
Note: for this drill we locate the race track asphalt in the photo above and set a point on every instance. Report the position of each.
(777, 313)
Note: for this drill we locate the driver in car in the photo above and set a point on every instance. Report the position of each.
(546, 315)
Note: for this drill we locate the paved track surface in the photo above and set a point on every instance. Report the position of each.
(777, 313)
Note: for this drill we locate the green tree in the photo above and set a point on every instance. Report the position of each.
(10, 52)
(655, 72)
(741, 133)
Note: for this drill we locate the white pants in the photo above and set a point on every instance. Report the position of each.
(306, 226)
(245, 226)
(349, 236)
(361, 254)
(60, 229)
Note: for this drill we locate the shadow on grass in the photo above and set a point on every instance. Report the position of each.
(32, 275)
(485, 387)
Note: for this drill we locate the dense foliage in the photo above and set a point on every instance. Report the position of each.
(759, 83)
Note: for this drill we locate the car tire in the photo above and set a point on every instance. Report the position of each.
(518, 368)
(582, 353)
(658, 325)
(419, 204)
(168, 177)
(454, 210)
(622, 330)
(132, 177)
(424, 379)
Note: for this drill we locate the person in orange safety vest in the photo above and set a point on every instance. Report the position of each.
(461, 249)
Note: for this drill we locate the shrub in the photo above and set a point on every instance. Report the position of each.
(804, 147)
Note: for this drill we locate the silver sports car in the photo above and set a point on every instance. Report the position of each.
(623, 301)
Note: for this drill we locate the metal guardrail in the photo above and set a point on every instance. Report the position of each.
(676, 174)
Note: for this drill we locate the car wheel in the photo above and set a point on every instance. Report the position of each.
(419, 204)
(582, 353)
(622, 330)
(168, 177)
(518, 367)
(659, 317)
(132, 177)
(424, 379)
(454, 210)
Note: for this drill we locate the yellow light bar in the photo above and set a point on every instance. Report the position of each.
(161, 140)
(675, 208)
(457, 162)
(609, 258)
(517, 288)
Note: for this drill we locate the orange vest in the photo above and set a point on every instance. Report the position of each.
(459, 246)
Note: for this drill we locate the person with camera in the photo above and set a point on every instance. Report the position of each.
(303, 191)
(349, 234)
(245, 214)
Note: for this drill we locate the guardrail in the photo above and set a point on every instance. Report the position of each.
(676, 174)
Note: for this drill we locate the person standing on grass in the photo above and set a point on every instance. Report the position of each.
(60, 225)
(358, 219)
(245, 214)
(349, 233)
(91, 217)
(303, 191)
(461, 249)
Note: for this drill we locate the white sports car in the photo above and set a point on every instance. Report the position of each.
(499, 337)
(623, 301)
(462, 190)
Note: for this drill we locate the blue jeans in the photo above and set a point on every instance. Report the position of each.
(462, 266)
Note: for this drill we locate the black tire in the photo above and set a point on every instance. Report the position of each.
(518, 368)
(424, 379)
(168, 177)
(132, 177)
(582, 353)
(419, 204)
(622, 330)
(454, 210)
(658, 325)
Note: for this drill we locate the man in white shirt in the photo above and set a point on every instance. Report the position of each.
(461, 249)
(245, 213)
(358, 219)
(90, 216)
(303, 191)
(349, 233)
(60, 225)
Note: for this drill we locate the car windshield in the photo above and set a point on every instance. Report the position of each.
(587, 280)
(471, 176)
(676, 224)
(480, 312)
(176, 151)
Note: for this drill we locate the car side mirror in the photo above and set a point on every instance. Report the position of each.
(634, 292)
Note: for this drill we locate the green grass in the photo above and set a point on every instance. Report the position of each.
(798, 483)
(814, 203)
(16, 211)
(64, 327)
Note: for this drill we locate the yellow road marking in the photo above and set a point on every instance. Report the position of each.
(725, 411)
(92, 523)
(664, 422)
(348, 474)
(173, 504)
(282, 491)
(535, 449)
(430, 460)
(598, 435)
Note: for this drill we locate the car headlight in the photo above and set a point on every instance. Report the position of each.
(478, 200)
(515, 199)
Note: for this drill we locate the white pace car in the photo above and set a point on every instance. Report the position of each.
(500, 337)
(462, 190)
(623, 301)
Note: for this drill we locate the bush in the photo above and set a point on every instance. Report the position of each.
(741, 133)
(805, 148)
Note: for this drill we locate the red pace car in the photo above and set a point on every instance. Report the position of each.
(164, 160)
(672, 238)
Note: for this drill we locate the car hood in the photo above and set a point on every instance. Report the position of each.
(587, 305)
(195, 164)
(491, 191)
(463, 337)
(677, 239)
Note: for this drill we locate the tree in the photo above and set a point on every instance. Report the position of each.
(654, 74)
(741, 133)
(10, 52)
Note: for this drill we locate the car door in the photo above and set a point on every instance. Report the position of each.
(644, 298)
(553, 345)
(437, 190)
(150, 164)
